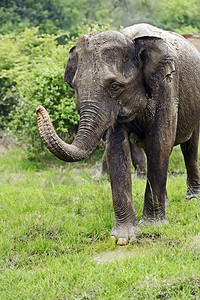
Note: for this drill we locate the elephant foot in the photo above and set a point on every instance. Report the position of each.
(153, 222)
(193, 192)
(123, 234)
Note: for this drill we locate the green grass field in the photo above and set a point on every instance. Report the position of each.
(55, 220)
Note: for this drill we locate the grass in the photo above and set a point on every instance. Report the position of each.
(54, 236)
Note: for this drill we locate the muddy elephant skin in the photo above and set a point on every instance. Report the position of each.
(141, 83)
(137, 153)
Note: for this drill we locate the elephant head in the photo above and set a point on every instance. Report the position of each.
(111, 74)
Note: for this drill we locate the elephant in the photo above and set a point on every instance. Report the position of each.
(137, 153)
(141, 82)
(194, 38)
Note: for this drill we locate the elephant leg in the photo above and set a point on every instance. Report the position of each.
(119, 166)
(138, 160)
(190, 153)
(159, 142)
(155, 194)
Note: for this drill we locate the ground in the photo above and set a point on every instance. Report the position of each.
(55, 220)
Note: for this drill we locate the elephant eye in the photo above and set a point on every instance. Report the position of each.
(115, 86)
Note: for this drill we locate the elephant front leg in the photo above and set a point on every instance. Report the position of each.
(158, 146)
(119, 165)
(155, 201)
(138, 160)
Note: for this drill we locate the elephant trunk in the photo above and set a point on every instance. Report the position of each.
(91, 129)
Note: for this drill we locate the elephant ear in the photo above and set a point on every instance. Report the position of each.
(156, 61)
(71, 66)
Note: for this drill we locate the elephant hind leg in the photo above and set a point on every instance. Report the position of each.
(138, 160)
(190, 153)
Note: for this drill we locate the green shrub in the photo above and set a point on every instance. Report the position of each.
(31, 73)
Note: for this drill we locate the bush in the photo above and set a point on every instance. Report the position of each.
(181, 16)
(31, 73)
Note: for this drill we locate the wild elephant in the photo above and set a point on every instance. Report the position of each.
(141, 82)
(137, 153)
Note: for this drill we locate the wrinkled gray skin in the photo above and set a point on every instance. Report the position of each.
(137, 159)
(137, 154)
(142, 82)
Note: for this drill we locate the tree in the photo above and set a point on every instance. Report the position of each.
(50, 15)
(180, 15)
(54, 15)
(31, 73)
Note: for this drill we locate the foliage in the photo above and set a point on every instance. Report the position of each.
(128, 12)
(181, 16)
(49, 14)
(35, 66)
(31, 73)
(178, 15)
(52, 16)
(32, 61)
(54, 238)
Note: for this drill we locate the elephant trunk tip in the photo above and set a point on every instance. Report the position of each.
(44, 125)
(41, 110)
(42, 115)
